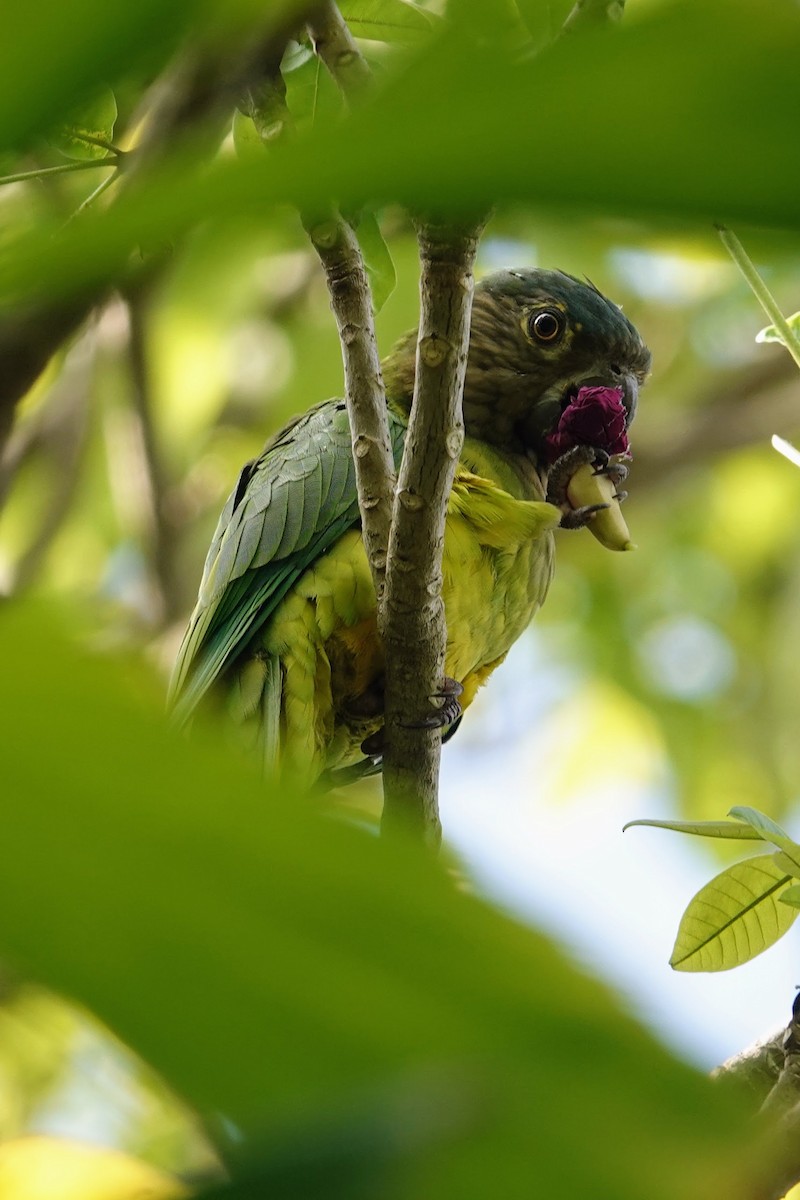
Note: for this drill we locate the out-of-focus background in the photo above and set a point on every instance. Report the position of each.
(657, 684)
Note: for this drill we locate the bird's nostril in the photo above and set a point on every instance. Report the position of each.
(615, 369)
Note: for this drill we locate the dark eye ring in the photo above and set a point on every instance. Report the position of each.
(545, 326)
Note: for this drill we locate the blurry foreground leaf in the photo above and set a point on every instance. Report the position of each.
(286, 972)
(78, 136)
(734, 917)
(56, 1168)
(791, 896)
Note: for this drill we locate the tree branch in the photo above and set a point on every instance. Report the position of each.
(412, 619)
(336, 47)
(339, 252)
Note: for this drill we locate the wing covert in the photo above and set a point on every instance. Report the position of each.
(287, 507)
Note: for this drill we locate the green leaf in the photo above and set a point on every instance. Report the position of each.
(714, 829)
(461, 134)
(387, 20)
(768, 830)
(791, 896)
(377, 259)
(772, 334)
(333, 995)
(734, 917)
(75, 138)
(312, 95)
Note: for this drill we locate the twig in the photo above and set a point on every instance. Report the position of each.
(337, 247)
(336, 47)
(160, 530)
(62, 169)
(413, 620)
(760, 290)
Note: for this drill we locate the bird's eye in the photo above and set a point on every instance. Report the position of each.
(545, 326)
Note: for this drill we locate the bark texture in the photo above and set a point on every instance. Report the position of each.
(412, 617)
(340, 254)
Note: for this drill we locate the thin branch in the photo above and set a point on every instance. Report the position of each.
(160, 531)
(63, 169)
(413, 620)
(351, 302)
(336, 47)
(760, 290)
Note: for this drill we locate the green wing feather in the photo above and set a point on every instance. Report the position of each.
(287, 508)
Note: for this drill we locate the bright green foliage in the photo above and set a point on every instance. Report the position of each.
(77, 137)
(734, 917)
(388, 20)
(737, 915)
(711, 829)
(357, 1017)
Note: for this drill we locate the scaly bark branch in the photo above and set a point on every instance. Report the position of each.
(337, 247)
(411, 617)
(413, 620)
(336, 47)
(351, 301)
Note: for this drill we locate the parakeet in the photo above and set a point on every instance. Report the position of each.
(285, 629)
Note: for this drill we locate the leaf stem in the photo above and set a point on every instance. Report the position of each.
(63, 169)
(760, 290)
(91, 140)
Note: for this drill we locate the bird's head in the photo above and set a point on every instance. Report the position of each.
(536, 338)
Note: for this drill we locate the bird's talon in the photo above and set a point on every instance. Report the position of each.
(578, 518)
(447, 713)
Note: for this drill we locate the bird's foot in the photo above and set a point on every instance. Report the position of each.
(444, 714)
(447, 716)
(561, 473)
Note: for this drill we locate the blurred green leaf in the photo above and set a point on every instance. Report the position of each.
(613, 133)
(713, 829)
(387, 20)
(771, 334)
(543, 18)
(78, 136)
(285, 971)
(377, 258)
(734, 917)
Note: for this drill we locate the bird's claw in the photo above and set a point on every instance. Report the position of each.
(617, 472)
(578, 518)
(561, 473)
(449, 711)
